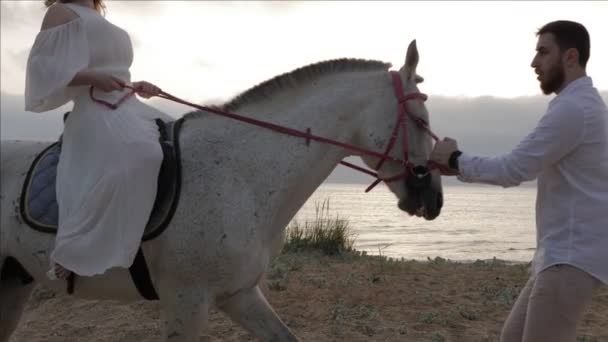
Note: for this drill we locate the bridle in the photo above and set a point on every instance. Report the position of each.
(402, 115)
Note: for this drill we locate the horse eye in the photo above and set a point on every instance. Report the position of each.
(420, 122)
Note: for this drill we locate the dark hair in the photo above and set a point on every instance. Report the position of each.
(569, 34)
(99, 5)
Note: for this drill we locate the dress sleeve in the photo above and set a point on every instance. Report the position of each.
(57, 55)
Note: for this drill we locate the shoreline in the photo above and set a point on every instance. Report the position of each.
(459, 261)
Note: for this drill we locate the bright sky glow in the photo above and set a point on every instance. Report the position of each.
(209, 51)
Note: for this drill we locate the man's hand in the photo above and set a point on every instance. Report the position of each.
(146, 89)
(443, 150)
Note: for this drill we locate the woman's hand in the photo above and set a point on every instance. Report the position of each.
(146, 89)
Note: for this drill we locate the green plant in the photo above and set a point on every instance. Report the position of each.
(489, 263)
(339, 311)
(437, 337)
(428, 317)
(331, 235)
(438, 261)
(507, 296)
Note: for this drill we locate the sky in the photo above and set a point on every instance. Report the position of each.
(475, 56)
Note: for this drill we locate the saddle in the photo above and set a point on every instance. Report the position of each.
(40, 211)
(39, 207)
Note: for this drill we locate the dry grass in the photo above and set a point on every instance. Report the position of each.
(356, 297)
(347, 297)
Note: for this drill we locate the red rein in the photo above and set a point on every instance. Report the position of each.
(402, 114)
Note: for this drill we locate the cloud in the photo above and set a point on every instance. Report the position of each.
(16, 15)
(17, 124)
(279, 7)
(136, 8)
(273, 7)
(20, 22)
(486, 125)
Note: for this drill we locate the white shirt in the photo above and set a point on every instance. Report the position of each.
(568, 153)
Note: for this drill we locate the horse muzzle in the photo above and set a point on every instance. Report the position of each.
(422, 198)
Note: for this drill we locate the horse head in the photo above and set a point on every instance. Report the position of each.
(415, 182)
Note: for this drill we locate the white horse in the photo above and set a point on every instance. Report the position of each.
(241, 186)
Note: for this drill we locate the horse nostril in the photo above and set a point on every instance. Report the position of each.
(420, 171)
(420, 178)
(439, 200)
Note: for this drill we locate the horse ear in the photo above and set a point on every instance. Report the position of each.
(408, 71)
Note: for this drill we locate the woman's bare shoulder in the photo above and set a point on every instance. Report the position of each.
(56, 15)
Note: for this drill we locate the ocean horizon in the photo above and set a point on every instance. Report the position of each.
(476, 222)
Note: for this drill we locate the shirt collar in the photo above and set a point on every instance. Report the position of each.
(581, 82)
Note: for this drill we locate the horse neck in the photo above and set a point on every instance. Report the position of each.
(285, 166)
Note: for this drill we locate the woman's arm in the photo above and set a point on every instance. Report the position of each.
(59, 14)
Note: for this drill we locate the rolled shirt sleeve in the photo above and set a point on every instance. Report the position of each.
(57, 55)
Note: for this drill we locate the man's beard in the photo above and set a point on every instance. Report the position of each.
(553, 80)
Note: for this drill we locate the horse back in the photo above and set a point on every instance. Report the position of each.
(16, 158)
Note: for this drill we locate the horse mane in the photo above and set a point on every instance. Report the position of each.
(296, 77)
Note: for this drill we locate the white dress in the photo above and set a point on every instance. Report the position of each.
(110, 159)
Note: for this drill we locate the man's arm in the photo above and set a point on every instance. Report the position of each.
(556, 135)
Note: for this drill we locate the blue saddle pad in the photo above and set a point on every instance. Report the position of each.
(39, 207)
(40, 202)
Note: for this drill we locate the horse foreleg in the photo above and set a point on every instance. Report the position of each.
(184, 312)
(13, 297)
(250, 309)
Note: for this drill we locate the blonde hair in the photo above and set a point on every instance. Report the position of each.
(99, 5)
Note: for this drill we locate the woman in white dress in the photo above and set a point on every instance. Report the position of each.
(110, 159)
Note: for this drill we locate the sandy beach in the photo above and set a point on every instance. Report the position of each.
(352, 297)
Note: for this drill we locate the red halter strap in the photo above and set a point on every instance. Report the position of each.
(112, 106)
